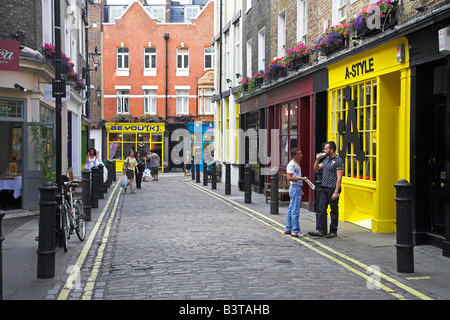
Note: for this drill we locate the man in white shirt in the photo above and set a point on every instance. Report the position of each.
(294, 176)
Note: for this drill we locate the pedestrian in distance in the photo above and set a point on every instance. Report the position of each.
(187, 164)
(333, 170)
(128, 170)
(154, 164)
(91, 158)
(295, 179)
(139, 169)
(147, 164)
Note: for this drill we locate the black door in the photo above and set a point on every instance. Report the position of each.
(438, 115)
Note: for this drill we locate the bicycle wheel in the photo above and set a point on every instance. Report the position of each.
(80, 222)
(64, 225)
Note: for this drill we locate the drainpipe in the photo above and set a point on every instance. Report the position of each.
(166, 37)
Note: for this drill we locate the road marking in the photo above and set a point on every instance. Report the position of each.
(89, 287)
(75, 271)
(303, 242)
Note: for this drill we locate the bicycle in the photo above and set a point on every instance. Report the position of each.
(70, 211)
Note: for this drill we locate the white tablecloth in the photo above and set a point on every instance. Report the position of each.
(16, 185)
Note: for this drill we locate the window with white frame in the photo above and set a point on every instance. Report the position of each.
(115, 12)
(158, 12)
(182, 101)
(237, 45)
(207, 106)
(302, 20)
(209, 58)
(122, 58)
(183, 58)
(342, 10)
(249, 4)
(47, 21)
(150, 58)
(227, 56)
(249, 58)
(191, 12)
(150, 101)
(123, 99)
(261, 48)
(281, 33)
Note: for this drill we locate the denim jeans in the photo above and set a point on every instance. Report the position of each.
(292, 219)
(324, 201)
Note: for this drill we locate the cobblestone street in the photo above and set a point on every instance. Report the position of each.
(173, 240)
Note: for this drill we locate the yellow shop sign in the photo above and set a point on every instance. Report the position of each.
(359, 68)
(135, 127)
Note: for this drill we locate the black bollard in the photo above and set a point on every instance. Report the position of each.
(114, 171)
(248, 184)
(227, 178)
(274, 191)
(47, 246)
(94, 188)
(86, 193)
(197, 173)
(404, 245)
(2, 214)
(192, 169)
(241, 181)
(205, 174)
(108, 167)
(213, 176)
(101, 184)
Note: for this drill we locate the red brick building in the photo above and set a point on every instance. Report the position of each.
(157, 78)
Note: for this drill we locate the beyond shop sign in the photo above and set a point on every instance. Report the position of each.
(9, 55)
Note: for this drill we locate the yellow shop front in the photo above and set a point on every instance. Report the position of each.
(369, 119)
(142, 137)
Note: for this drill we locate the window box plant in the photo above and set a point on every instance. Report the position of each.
(276, 68)
(243, 86)
(150, 118)
(182, 117)
(387, 17)
(122, 117)
(297, 57)
(333, 39)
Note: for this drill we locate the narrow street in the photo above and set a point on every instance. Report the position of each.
(176, 239)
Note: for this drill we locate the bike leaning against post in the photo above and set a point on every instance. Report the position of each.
(70, 211)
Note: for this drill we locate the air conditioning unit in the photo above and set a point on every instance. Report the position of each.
(444, 40)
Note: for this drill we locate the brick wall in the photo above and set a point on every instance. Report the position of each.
(135, 30)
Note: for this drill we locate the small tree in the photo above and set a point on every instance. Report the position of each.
(44, 152)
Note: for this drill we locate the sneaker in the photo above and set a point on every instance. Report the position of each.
(287, 232)
(298, 235)
(316, 233)
(133, 191)
(331, 235)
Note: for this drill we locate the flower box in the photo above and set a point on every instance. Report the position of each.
(387, 22)
(297, 63)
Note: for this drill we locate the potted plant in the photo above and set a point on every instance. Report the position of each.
(44, 151)
(121, 117)
(334, 38)
(386, 10)
(182, 117)
(297, 56)
(259, 78)
(276, 68)
(243, 86)
(150, 118)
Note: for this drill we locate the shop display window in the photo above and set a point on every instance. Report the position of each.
(364, 95)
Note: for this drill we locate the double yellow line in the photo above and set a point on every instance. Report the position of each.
(325, 252)
(75, 272)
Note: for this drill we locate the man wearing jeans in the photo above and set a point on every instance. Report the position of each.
(294, 176)
(333, 170)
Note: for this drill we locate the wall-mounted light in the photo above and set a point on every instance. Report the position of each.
(401, 53)
(98, 91)
(95, 58)
(238, 75)
(228, 80)
(18, 86)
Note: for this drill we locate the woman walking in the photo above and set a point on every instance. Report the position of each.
(128, 169)
(139, 169)
(91, 157)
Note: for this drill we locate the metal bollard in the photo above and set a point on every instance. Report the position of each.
(86, 193)
(404, 245)
(248, 184)
(101, 184)
(213, 176)
(197, 173)
(241, 182)
(274, 191)
(94, 189)
(205, 174)
(114, 171)
(227, 178)
(47, 246)
(108, 168)
(192, 169)
(2, 214)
